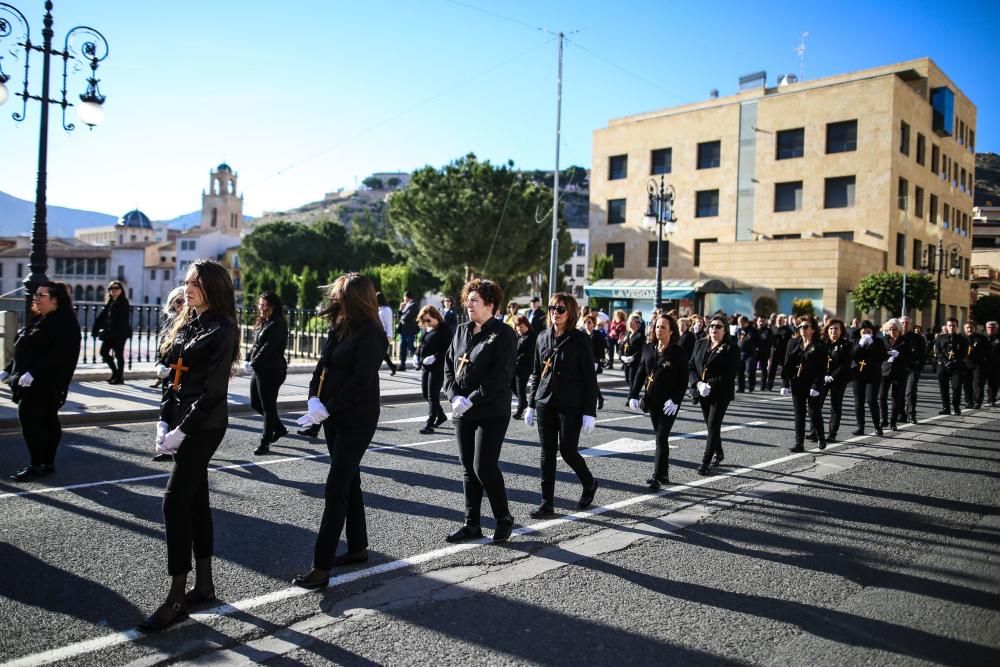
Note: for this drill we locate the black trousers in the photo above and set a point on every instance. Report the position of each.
(950, 385)
(994, 380)
(974, 381)
(895, 386)
(559, 430)
(867, 393)
(345, 505)
(38, 414)
(806, 404)
(479, 443)
(430, 389)
(519, 386)
(662, 425)
(772, 368)
(113, 354)
(713, 413)
(912, 380)
(264, 398)
(837, 390)
(748, 373)
(187, 516)
(629, 373)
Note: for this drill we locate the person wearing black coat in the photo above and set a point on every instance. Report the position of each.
(918, 357)
(407, 327)
(765, 345)
(344, 398)
(782, 335)
(713, 369)
(803, 376)
(993, 379)
(478, 369)
(894, 371)
(449, 315)
(748, 340)
(267, 363)
(433, 346)
(949, 353)
(536, 316)
(687, 337)
(600, 350)
(113, 328)
(45, 356)
(523, 360)
(977, 358)
(867, 357)
(631, 348)
(562, 398)
(838, 373)
(661, 382)
(201, 350)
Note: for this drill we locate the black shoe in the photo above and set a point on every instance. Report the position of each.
(879, 432)
(464, 534)
(812, 437)
(587, 497)
(831, 438)
(160, 458)
(858, 431)
(440, 419)
(543, 510)
(351, 558)
(309, 431)
(156, 384)
(719, 458)
(392, 369)
(161, 619)
(262, 449)
(517, 415)
(195, 596)
(27, 474)
(656, 483)
(893, 427)
(600, 402)
(884, 423)
(427, 430)
(957, 411)
(503, 530)
(704, 470)
(277, 435)
(822, 444)
(797, 449)
(944, 411)
(313, 580)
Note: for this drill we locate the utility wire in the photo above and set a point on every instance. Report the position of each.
(496, 234)
(499, 16)
(623, 69)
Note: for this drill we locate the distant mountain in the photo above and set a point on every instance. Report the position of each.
(987, 179)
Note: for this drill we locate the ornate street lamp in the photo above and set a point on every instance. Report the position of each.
(954, 251)
(82, 44)
(659, 217)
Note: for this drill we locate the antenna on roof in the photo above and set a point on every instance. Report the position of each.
(801, 50)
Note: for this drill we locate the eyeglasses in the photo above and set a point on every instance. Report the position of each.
(558, 309)
(39, 295)
(115, 287)
(178, 302)
(716, 326)
(804, 326)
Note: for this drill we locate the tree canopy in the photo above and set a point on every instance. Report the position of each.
(885, 290)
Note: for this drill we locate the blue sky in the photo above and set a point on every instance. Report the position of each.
(302, 98)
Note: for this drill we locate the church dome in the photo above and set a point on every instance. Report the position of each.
(135, 219)
(224, 167)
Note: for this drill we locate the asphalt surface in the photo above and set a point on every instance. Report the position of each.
(878, 551)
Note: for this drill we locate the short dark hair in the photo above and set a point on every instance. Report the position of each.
(277, 310)
(490, 292)
(60, 292)
(408, 294)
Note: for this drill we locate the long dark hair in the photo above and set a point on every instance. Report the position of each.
(217, 286)
(59, 292)
(572, 309)
(121, 297)
(675, 334)
(350, 302)
(277, 311)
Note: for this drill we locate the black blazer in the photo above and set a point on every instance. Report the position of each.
(350, 388)
(688, 340)
(632, 344)
(949, 351)
(898, 368)
(536, 318)
(525, 356)
(839, 360)
(113, 325)
(782, 336)
(48, 348)
(747, 339)
(600, 347)
(268, 352)
(664, 375)
(563, 374)
(435, 343)
(867, 360)
(918, 350)
(804, 367)
(203, 353)
(977, 351)
(407, 325)
(716, 367)
(480, 367)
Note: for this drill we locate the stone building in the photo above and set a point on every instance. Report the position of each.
(792, 191)
(221, 207)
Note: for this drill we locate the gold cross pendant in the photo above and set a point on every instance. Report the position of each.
(547, 366)
(861, 365)
(462, 361)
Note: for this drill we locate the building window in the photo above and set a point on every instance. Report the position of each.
(616, 211)
(847, 236)
(943, 106)
(900, 249)
(617, 167)
(961, 180)
(790, 143)
(581, 249)
(709, 154)
(902, 193)
(166, 275)
(152, 274)
(932, 210)
(59, 266)
(651, 254)
(918, 202)
(918, 249)
(842, 137)
(215, 215)
(839, 192)
(91, 267)
(568, 270)
(904, 137)
(102, 267)
(121, 272)
(786, 237)
(579, 270)
(706, 204)
(972, 140)
(946, 215)
(20, 270)
(616, 251)
(697, 249)
(788, 196)
(935, 159)
(961, 132)
(921, 149)
(661, 161)
(89, 293)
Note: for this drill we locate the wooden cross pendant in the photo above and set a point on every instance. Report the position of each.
(462, 361)
(649, 381)
(547, 366)
(179, 368)
(798, 373)
(951, 354)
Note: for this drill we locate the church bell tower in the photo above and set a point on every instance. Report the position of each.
(221, 207)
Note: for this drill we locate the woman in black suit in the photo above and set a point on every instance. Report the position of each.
(433, 346)
(838, 372)
(803, 377)
(522, 363)
(344, 398)
(866, 361)
(894, 372)
(562, 395)
(267, 363)
(662, 377)
(713, 365)
(201, 350)
(45, 355)
(600, 345)
(113, 327)
(631, 344)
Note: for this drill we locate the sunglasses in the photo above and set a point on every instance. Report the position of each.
(804, 326)
(558, 309)
(716, 326)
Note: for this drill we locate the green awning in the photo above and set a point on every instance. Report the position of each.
(645, 289)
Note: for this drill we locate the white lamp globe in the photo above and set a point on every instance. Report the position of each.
(90, 113)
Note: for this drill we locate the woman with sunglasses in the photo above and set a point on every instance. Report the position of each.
(266, 362)
(838, 372)
(45, 356)
(894, 371)
(113, 328)
(478, 368)
(803, 377)
(171, 309)
(433, 346)
(562, 398)
(866, 362)
(713, 366)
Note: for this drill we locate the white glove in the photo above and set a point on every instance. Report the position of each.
(430, 360)
(588, 424)
(627, 359)
(633, 404)
(26, 380)
(171, 441)
(704, 389)
(247, 368)
(828, 379)
(813, 393)
(529, 416)
(162, 371)
(670, 408)
(460, 404)
(316, 411)
(161, 432)
(416, 364)
(596, 365)
(893, 354)
(4, 375)
(866, 339)
(785, 391)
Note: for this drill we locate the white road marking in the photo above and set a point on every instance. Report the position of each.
(632, 445)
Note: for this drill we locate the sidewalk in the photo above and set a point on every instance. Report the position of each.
(92, 400)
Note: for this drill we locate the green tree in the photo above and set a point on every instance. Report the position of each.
(287, 287)
(373, 183)
(393, 182)
(885, 290)
(802, 307)
(765, 306)
(603, 268)
(471, 218)
(308, 284)
(986, 308)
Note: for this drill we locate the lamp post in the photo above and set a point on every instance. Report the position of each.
(954, 251)
(82, 43)
(660, 215)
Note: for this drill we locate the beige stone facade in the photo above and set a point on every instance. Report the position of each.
(830, 234)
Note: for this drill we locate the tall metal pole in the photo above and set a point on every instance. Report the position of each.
(940, 270)
(657, 300)
(554, 258)
(906, 242)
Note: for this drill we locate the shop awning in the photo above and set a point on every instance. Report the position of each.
(645, 288)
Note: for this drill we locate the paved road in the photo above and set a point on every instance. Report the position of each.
(878, 551)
